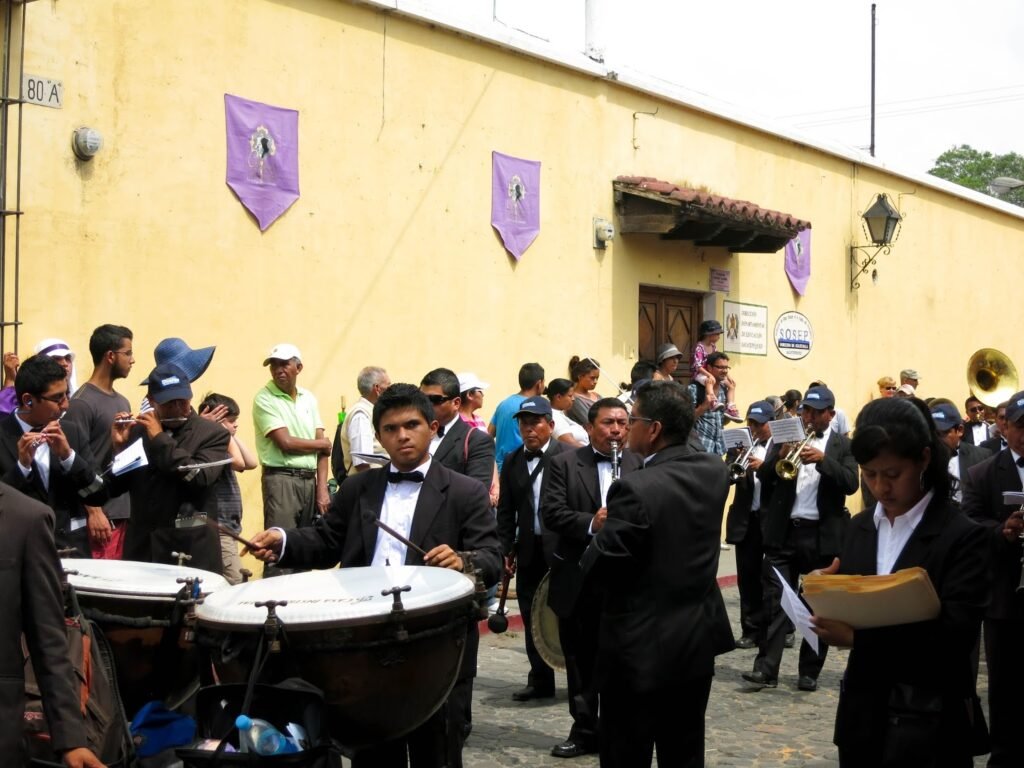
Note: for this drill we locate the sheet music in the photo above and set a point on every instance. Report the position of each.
(796, 610)
(132, 457)
(737, 438)
(787, 430)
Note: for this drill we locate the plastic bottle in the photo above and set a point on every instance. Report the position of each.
(262, 738)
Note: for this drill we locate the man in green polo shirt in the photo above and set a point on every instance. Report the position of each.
(291, 445)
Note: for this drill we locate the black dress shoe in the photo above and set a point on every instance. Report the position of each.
(570, 748)
(760, 679)
(790, 640)
(533, 692)
(807, 683)
(745, 642)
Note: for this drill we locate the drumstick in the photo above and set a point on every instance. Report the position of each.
(232, 535)
(388, 529)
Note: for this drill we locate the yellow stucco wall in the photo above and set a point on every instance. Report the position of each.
(388, 256)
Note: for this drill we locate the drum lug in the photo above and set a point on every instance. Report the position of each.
(272, 627)
(246, 574)
(183, 557)
(470, 570)
(192, 599)
(398, 610)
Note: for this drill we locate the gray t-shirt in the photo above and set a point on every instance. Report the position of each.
(93, 411)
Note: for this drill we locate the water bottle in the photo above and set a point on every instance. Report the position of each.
(260, 737)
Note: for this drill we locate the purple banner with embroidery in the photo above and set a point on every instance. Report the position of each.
(798, 261)
(263, 157)
(515, 201)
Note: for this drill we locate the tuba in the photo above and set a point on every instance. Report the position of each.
(991, 376)
(788, 467)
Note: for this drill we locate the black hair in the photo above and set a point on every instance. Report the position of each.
(578, 367)
(642, 369)
(402, 396)
(668, 403)
(904, 428)
(36, 374)
(968, 401)
(557, 387)
(212, 399)
(604, 402)
(792, 397)
(107, 338)
(443, 378)
(713, 358)
(530, 374)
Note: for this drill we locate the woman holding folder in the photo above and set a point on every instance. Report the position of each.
(908, 694)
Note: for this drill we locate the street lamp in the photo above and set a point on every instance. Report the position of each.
(881, 222)
(1000, 185)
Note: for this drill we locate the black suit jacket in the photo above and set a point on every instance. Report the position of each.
(570, 495)
(983, 502)
(62, 493)
(474, 459)
(969, 434)
(30, 593)
(969, 456)
(737, 521)
(931, 658)
(993, 445)
(451, 509)
(839, 479)
(516, 509)
(663, 618)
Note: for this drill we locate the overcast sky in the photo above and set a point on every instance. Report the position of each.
(948, 72)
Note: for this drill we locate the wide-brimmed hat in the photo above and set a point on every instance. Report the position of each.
(193, 362)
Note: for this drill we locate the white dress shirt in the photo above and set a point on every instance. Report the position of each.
(759, 452)
(531, 465)
(953, 468)
(892, 538)
(397, 512)
(436, 439)
(805, 506)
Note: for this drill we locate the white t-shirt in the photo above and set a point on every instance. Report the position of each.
(566, 426)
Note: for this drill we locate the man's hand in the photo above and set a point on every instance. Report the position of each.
(150, 421)
(754, 464)
(119, 430)
(11, 365)
(82, 757)
(323, 499)
(832, 569)
(58, 441)
(810, 455)
(1014, 526)
(509, 565)
(100, 529)
(833, 631)
(267, 546)
(27, 445)
(443, 556)
(599, 517)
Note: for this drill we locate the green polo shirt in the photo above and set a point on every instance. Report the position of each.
(273, 409)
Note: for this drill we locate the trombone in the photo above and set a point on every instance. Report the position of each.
(739, 467)
(787, 468)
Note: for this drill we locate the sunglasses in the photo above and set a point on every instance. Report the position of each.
(438, 399)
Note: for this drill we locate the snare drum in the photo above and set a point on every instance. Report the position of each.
(137, 606)
(383, 671)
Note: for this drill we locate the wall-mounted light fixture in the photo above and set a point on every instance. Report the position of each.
(881, 224)
(604, 233)
(86, 142)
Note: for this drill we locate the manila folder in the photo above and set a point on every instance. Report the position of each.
(864, 602)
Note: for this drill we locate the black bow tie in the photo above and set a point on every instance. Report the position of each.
(440, 431)
(1020, 461)
(599, 457)
(411, 477)
(531, 455)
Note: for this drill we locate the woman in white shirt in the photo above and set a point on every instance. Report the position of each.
(560, 392)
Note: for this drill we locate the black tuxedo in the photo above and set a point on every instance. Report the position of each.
(743, 531)
(993, 445)
(1004, 619)
(795, 547)
(516, 517)
(62, 493)
(570, 495)
(930, 658)
(663, 619)
(969, 456)
(30, 592)
(472, 456)
(969, 434)
(451, 509)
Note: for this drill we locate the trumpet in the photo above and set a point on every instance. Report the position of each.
(616, 460)
(739, 467)
(788, 467)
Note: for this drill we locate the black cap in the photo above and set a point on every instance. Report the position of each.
(1015, 408)
(537, 406)
(819, 398)
(946, 417)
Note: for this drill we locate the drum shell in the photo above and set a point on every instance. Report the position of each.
(382, 676)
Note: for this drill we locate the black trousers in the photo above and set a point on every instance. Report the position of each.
(798, 555)
(1004, 645)
(670, 719)
(528, 578)
(578, 634)
(749, 561)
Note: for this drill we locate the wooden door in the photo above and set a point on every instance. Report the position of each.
(669, 316)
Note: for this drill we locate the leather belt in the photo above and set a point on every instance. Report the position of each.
(802, 522)
(306, 473)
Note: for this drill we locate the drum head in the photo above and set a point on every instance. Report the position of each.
(337, 597)
(132, 580)
(544, 627)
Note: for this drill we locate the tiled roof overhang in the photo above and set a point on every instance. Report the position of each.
(644, 204)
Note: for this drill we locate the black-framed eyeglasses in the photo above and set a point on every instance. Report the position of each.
(721, 367)
(634, 419)
(55, 399)
(438, 399)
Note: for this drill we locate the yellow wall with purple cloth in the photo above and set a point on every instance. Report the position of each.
(388, 256)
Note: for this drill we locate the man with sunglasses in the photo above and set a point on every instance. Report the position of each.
(456, 445)
(47, 460)
(975, 426)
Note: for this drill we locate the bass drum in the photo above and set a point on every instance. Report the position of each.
(384, 668)
(138, 608)
(544, 627)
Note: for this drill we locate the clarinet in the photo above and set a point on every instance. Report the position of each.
(616, 460)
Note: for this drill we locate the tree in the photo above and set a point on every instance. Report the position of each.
(975, 170)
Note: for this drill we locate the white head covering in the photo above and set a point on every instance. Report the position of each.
(59, 348)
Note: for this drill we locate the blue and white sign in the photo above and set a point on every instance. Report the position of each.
(793, 335)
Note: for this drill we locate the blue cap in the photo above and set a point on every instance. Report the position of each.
(536, 406)
(946, 417)
(819, 398)
(168, 382)
(761, 411)
(1015, 408)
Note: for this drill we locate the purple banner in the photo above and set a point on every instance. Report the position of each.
(263, 157)
(515, 201)
(798, 261)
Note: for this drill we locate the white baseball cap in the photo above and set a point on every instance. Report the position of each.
(283, 352)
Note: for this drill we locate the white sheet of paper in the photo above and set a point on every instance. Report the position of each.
(796, 610)
(1016, 498)
(787, 430)
(737, 438)
(132, 457)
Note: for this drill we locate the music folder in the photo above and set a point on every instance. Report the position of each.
(864, 602)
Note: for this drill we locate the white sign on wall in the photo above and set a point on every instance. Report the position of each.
(42, 91)
(746, 328)
(793, 335)
(720, 280)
